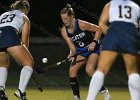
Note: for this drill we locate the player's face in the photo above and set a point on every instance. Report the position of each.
(67, 20)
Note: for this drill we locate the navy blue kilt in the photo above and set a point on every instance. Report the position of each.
(8, 37)
(96, 50)
(121, 36)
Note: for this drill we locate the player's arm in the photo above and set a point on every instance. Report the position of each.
(90, 27)
(104, 19)
(68, 41)
(139, 27)
(25, 31)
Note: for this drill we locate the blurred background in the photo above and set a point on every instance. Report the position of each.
(46, 41)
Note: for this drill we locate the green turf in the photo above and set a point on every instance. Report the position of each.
(65, 94)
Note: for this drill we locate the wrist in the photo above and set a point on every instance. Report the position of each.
(95, 41)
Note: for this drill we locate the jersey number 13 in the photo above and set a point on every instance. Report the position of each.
(128, 10)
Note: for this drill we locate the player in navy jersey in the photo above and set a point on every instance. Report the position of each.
(121, 37)
(12, 23)
(81, 36)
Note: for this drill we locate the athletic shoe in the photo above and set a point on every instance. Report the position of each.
(76, 98)
(2, 94)
(20, 95)
(106, 94)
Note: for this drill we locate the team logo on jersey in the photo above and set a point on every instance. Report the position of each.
(78, 36)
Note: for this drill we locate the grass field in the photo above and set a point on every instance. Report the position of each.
(51, 93)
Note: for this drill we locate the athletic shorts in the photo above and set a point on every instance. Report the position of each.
(121, 37)
(8, 37)
(86, 54)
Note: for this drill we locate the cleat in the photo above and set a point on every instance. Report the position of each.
(19, 95)
(106, 94)
(2, 94)
(76, 98)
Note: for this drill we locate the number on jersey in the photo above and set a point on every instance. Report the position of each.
(7, 18)
(128, 14)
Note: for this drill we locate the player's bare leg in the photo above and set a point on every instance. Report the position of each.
(131, 63)
(22, 55)
(90, 69)
(73, 71)
(106, 59)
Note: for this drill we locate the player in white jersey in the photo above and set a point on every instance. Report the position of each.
(11, 24)
(126, 7)
(121, 36)
(12, 18)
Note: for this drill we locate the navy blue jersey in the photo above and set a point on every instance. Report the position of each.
(79, 37)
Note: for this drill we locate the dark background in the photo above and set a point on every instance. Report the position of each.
(46, 40)
(45, 14)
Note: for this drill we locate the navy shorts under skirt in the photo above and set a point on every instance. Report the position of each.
(8, 37)
(86, 54)
(121, 37)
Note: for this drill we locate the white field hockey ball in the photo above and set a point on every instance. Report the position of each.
(44, 60)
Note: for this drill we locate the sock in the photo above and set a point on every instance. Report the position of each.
(74, 85)
(103, 88)
(134, 86)
(3, 76)
(96, 83)
(25, 75)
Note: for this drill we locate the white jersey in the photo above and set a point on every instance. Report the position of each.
(124, 10)
(12, 18)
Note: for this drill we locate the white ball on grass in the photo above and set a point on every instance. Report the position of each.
(44, 60)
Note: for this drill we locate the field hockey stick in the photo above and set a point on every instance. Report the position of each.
(41, 71)
(38, 85)
(34, 79)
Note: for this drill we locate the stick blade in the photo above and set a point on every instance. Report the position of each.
(40, 89)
